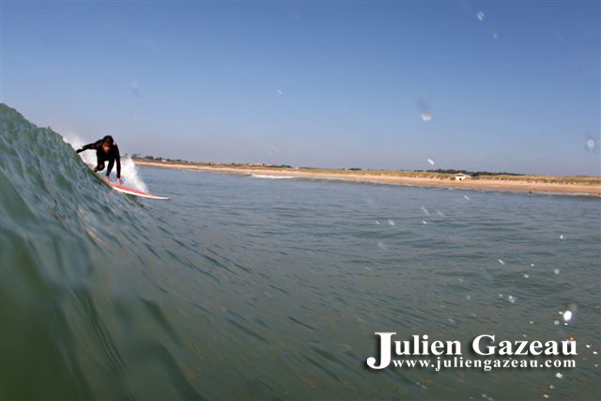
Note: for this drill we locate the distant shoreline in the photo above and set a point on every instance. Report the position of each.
(522, 183)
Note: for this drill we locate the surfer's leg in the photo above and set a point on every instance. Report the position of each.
(99, 167)
(99, 160)
(110, 167)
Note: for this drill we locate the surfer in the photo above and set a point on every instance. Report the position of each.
(106, 150)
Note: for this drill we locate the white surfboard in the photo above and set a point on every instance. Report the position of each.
(135, 192)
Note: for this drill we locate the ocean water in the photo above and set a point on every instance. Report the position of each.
(245, 287)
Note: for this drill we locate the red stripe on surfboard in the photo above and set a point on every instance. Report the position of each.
(130, 189)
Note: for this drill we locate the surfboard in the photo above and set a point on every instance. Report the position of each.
(135, 192)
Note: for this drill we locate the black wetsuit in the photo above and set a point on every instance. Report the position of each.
(111, 157)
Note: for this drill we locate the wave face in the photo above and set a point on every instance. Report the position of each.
(72, 263)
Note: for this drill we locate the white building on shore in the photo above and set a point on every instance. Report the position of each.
(461, 177)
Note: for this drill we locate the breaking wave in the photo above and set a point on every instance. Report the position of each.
(78, 272)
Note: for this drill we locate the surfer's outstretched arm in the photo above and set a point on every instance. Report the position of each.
(94, 145)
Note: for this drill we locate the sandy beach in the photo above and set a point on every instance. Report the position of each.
(536, 184)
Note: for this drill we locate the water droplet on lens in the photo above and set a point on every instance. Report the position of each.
(426, 116)
(501, 262)
(467, 198)
(431, 161)
(567, 316)
(390, 222)
(511, 298)
(556, 271)
(559, 375)
(526, 276)
(480, 15)
(135, 88)
(590, 144)
(556, 322)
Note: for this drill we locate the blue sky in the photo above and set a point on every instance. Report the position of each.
(511, 87)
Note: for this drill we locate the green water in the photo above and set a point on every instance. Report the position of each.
(255, 288)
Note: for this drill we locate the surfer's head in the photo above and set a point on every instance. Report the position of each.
(107, 143)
